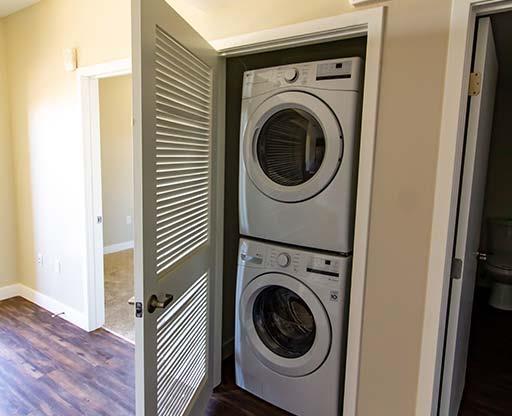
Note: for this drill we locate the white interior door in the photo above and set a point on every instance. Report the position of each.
(176, 93)
(469, 220)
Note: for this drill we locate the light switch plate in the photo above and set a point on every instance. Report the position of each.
(70, 59)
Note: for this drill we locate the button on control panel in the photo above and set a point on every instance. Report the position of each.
(324, 266)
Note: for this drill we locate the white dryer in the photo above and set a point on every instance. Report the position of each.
(298, 153)
(291, 325)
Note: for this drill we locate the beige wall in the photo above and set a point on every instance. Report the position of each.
(415, 47)
(47, 135)
(116, 158)
(7, 194)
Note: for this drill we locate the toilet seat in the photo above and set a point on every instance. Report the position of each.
(501, 262)
(500, 267)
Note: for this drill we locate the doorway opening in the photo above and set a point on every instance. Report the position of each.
(116, 144)
(106, 93)
(477, 368)
(471, 372)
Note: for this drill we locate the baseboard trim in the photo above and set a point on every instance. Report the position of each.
(228, 348)
(10, 291)
(46, 302)
(114, 248)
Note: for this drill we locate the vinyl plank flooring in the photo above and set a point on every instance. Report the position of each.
(229, 400)
(49, 367)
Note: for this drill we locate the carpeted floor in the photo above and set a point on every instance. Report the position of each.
(119, 317)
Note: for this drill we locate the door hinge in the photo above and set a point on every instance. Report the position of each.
(99, 219)
(456, 268)
(475, 83)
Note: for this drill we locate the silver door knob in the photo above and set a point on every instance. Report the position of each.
(154, 303)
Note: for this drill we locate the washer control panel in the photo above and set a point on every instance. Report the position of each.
(300, 262)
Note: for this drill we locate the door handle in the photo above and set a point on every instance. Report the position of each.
(155, 303)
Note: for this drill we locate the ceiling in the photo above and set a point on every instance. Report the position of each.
(216, 19)
(8, 7)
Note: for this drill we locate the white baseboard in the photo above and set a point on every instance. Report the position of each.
(114, 248)
(46, 302)
(10, 291)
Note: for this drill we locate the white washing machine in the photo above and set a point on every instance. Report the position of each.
(298, 153)
(291, 325)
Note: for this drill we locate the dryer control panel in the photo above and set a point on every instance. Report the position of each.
(342, 74)
(303, 263)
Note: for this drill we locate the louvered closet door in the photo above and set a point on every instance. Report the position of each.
(175, 75)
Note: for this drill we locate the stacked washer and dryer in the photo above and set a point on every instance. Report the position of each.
(298, 171)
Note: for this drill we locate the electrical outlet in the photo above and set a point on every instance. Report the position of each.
(128, 219)
(39, 259)
(57, 266)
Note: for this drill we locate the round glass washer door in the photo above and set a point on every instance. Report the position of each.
(285, 324)
(293, 146)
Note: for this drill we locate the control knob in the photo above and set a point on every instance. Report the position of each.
(283, 259)
(291, 75)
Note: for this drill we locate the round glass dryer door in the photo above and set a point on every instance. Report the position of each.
(293, 146)
(285, 324)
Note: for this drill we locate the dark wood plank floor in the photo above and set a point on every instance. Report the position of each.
(230, 400)
(50, 367)
(488, 390)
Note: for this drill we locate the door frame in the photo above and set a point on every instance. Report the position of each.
(448, 176)
(367, 22)
(88, 86)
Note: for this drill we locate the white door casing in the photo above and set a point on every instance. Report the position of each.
(467, 241)
(177, 78)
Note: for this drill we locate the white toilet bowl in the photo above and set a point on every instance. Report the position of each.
(500, 271)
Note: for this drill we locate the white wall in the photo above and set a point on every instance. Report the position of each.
(8, 272)
(116, 158)
(46, 131)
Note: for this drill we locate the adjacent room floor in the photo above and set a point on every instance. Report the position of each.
(50, 367)
(118, 271)
(488, 390)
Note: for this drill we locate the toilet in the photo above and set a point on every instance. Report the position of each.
(499, 262)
